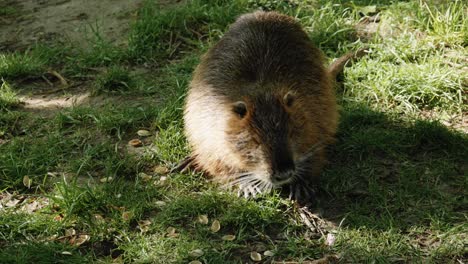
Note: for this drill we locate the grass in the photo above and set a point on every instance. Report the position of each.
(8, 11)
(8, 97)
(394, 191)
(114, 79)
(16, 65)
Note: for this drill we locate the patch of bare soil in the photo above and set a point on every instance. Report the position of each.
(26, 22)
(46, 100)
(31, 21)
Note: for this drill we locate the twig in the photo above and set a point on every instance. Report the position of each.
(338, 65)
(62, 80)
(47, 80)
(306, 216)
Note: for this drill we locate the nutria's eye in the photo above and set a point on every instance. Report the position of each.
(289, 99)
(240, 108)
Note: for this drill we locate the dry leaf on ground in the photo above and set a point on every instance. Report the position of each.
(171, 232)
(144, 177)
(27, 181)
(107, 179)
(79, 240)
(135, 143)
(255, 256)
(143, 133)
(160, 169)
(126, 215)
(215, 226)
(229, 238)
(202, 219)
(196, 253)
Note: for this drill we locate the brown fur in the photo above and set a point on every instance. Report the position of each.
(263, 57)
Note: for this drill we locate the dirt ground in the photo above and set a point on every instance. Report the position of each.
(31, 21)
(26, 22)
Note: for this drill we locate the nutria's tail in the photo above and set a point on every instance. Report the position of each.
(338, 65)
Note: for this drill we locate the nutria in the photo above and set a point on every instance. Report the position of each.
(261, 108)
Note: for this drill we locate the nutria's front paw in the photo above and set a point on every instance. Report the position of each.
(302, 192)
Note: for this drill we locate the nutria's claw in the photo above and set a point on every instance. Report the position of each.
(188, 163)
(302, 193)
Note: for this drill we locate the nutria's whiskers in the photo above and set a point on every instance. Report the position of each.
(248, 184)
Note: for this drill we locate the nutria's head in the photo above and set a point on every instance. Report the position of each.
(271, 136)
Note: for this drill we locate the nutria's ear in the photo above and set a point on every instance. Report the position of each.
(289, 98)
(240, 108)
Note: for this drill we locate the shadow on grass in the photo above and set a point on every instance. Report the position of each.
(48, 252)
(389, 173)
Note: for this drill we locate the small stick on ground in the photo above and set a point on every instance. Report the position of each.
(62, 80)
(338, 65)
(47, 81)
(308, 218)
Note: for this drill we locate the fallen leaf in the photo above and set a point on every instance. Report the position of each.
(66, 253)
(202, 219)
(62, 239)
(12, 202)
(53, 174)
(58, 218)
(144, 177)
(330, 239)
(31, 207)
(27, 181)
(135, 143)
(79, 240)
(99, 218)
(228, 237)
(52, 237)
(126, 215)
(160, 169)
(196, 253)
(255, 256)
(143, 133)
(160, 203)
(215, 226)
(143, 229)
(269, 253)
(171, 232)
(70, 232)
(161, 181)
(118, 208)
(107, 179)
(144, 222)
(368, 10)
(195, 262)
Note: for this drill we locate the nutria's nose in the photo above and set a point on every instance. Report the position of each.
(282, 164)
(280, 177)
(285, 166)
(283, 171)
